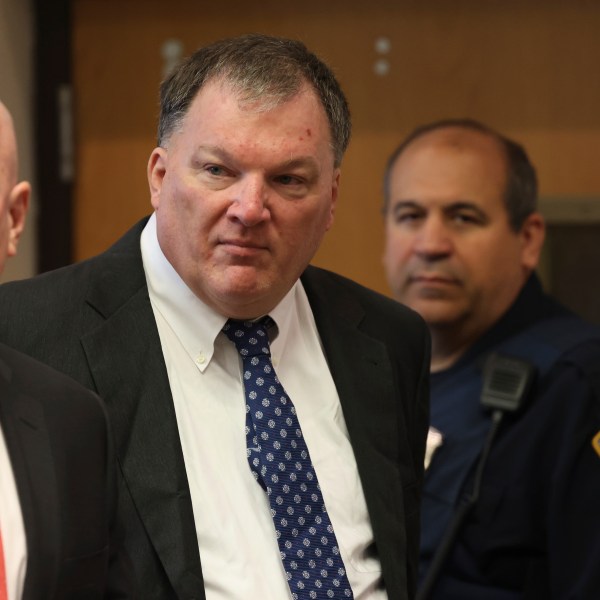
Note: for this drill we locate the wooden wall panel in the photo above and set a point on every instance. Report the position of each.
(527, 67)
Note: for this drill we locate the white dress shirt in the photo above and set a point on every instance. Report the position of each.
(11, 526)
(236, 536)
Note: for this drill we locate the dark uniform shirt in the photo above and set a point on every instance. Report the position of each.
(535, 531)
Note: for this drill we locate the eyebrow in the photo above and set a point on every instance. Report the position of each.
(300, 161)
(402, 204)
(452, 207)
(292, 163)
(217, 151)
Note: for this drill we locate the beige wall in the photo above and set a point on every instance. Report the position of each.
(16, 91)
(527, 67)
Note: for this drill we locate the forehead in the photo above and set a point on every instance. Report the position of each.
(255, 134)
(219, 102)
(451, 164)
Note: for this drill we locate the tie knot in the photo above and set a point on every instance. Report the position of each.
(250, 337)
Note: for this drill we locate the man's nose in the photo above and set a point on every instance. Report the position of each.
(249, 205)
(433, 239)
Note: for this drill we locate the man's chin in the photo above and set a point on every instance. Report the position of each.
(244, 283)
(247, 287)
(436, 311)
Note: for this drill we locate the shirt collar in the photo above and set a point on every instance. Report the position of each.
(195, 324)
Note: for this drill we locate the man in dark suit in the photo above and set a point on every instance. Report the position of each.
(244, 183)
(57, 479)
(463, 239)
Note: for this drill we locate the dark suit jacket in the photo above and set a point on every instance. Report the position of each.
(57, 440)
(94, 321)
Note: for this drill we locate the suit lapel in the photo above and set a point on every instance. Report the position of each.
(364, 378)
(31, 457)
(125, 358)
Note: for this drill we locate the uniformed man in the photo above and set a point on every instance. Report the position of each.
(463, 238)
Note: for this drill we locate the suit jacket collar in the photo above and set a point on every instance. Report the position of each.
(31, 456)
(125, 359)
(363, 374)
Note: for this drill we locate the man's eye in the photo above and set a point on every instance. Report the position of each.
(288, 180)
(215, 170)
(407, 217)
(465, 218)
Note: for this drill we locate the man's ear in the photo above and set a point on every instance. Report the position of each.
(532, 236)
(335, 190)
(18, 204)
(157, 167)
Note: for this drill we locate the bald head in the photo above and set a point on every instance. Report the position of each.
(8, 149)
(14, 197)
(519, 186)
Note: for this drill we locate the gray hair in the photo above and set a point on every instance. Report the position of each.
(260, 68)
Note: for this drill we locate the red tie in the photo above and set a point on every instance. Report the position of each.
(3, 592)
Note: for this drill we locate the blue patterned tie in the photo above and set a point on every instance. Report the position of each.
(281, 464)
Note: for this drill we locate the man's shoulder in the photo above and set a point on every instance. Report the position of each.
(580, 347)
(54, 390)
(558, 339)
(55, 282)
(45, 316)
(338, 302)
(120, 263)
(564, 351)
(536, 328)
(331, 289)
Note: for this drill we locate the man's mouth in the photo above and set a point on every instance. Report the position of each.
(242, 247)
(433, 279)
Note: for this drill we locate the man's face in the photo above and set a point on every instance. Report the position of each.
(14, 197)
(243, 196)
(450, 253)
